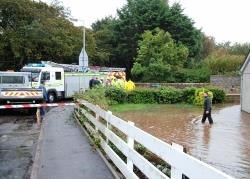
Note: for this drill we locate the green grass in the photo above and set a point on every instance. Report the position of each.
(119, 108)
(132, 107)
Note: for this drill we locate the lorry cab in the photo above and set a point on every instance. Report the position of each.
(53, 80)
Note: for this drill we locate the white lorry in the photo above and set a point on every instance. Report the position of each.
(60, 84)
(16, 87)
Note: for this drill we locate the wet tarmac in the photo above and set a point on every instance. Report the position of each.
(224, 145)
(18, 136)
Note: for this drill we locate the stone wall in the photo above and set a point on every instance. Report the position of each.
(175, 85)
(229, 84)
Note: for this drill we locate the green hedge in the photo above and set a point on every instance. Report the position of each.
(116, 94)
(219, 95)
(164, 95)
(142, 96)
(169, 96)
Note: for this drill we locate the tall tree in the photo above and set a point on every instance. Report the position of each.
(134, 18)
(158, 57)
(104, 37)
(140, 15)
(32, 31)
(182, 29)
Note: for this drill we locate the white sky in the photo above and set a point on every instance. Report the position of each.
(226, 20)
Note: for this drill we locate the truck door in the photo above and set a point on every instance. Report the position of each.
(59, 81)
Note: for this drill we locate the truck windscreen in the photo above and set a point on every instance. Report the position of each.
(34, 73)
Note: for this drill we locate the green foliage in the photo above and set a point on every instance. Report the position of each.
(158, 55)
(104, 38)
(199, 96)
(142, 96)
(135, 18)
(221, 62)
(116, 94)
(235, 49)
(216, 95)
(182, 29)
(31, 31)
(219, 95)
(95, 96)
(188, 95)
(208, 46)
(196, 75)
(169, 96)
(104, 97)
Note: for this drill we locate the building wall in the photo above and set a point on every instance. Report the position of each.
(230, 84)
(247, 69)
(245, 92)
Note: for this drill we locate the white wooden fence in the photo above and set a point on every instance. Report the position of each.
(181, 163)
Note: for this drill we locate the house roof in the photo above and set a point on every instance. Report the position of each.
(245, 63)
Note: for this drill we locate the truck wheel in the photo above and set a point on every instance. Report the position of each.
(51, 97)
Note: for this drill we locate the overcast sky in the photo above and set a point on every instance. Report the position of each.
(226, 20)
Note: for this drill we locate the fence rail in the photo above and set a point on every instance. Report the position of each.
(99, 120)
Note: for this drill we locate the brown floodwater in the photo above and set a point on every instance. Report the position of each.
(224, 145)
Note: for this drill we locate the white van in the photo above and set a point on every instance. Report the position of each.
(16, 87)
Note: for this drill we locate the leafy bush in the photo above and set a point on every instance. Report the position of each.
(129, 85)
(199, 96)
(116, 94)
(169, 96)
(219, 95)
(158, 55)
(198, 75)
(142, 96)
(188, 95)
(95, 96)
(104, 96)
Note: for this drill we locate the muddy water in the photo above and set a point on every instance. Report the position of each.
(225, 145)
(18, 136)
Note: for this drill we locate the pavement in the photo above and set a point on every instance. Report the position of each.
(65, 152)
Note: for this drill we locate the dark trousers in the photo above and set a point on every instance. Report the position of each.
(207, 115)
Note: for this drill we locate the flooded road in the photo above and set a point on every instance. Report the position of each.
(224, 145)
(18, 136)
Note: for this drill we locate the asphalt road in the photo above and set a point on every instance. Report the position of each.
(65, 152)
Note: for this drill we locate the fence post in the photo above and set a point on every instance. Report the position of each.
(109, 115)
(176, 173)
(97, 117)
(130, 142)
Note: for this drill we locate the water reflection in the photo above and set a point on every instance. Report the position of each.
(225, 144)
(206, 135)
